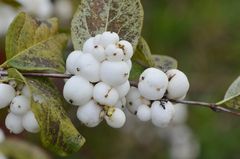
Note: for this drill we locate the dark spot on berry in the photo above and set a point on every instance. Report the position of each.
(78, 69)
(135, 113)
(158, 89)
(106, 96)
(71, 101)
(125, 74)
(19, 106)
(122, 106)
(95, 46)
(143, 77)
(115, 54)
(130, 103)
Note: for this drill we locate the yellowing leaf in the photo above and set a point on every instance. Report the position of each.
(164, 62)
(34, 45)
(124, 17)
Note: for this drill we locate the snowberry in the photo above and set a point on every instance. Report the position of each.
(71, 61)
(134, 100)
(114, 73)
(98, 52)
(14, 123)
(153, 84)
(105, 94)
(108, 38)
(115, 117)
(2, 136)
(178, 84)
(26, 92)
(113, 53)
(30, 123)
(77, 90)
(129, 62)
(121, 104)
(123, 89)
(88, 67)
(89, 114)
(144, 112)
(162, 113)
(20, 105)
(97, 39)
(7, 93)
(127, 49)
(88, 45)
(181, 113)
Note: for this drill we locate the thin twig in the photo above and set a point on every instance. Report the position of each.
(212, 106)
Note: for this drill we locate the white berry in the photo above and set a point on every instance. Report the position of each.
(144, 113)
(121, 104)
(153, 84)
(77, 90)
(115, 117)
(108, 38)
(71, 61)
(30, 123)
(105, 94)
(7, 93)
(127, 49)
(162, 113)
(88, 67)
(88, 45)
(114, 73)
(178, 84)
(134, 100)
(113, 53)
(89, 114)
(20, 105)
(26, 92)
(123, 89)
(129, 62)
(14, 123)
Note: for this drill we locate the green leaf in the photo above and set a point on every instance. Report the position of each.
(234, 89)
(143, 54)
(18, 149)
(12, 3)
(96, 16)
(136, 71)
(33, 45)
(164, 62)
(57, 131)
(232, 96)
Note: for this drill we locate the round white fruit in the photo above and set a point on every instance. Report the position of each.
(98, 52)
(77, 91)
(30, 123)
(71, 61)
(127, 49)
(178, 84)
(7, 93)
(144, 113)
(123, 89)
(115, 117)
(89, 114)
(108, 38)
(88, 67)
(114, 73)
(153, 84)
(162, 113)
(20, 105)
(121, 104)
(88, 45)
(113, 53)
(105, 94)
(134, 100)
(26, 92)
(14, 123)
(129, 62)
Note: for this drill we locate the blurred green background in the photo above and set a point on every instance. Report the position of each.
(204, 36)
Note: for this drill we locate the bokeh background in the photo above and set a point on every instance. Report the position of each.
(204, 36)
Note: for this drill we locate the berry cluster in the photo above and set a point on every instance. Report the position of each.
(20, 116)
(100, 79)
(151, 99)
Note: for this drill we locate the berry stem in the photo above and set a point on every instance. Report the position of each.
(212, 106)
